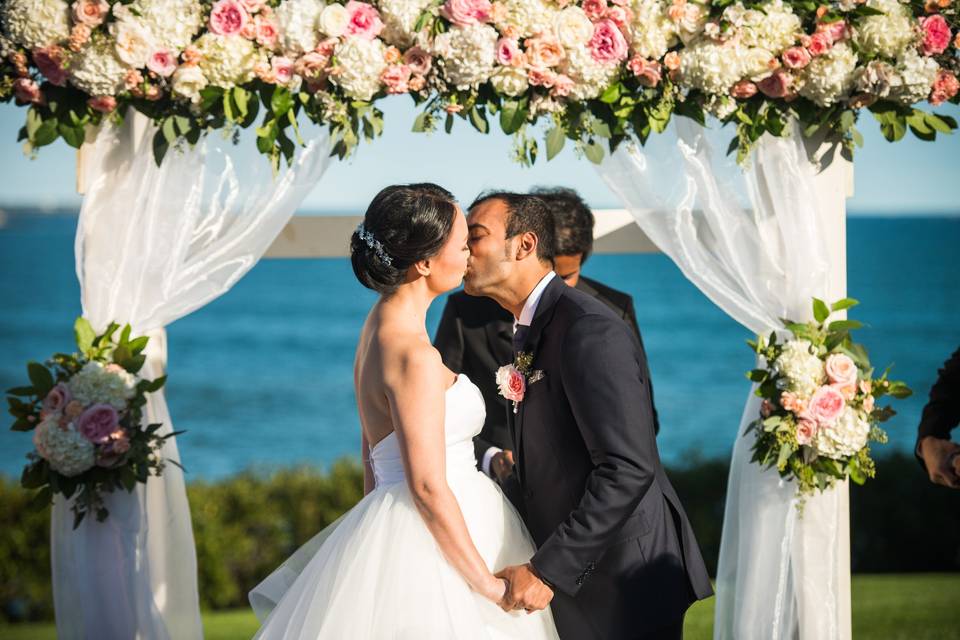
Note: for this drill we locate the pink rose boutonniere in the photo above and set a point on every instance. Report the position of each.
(512, 379)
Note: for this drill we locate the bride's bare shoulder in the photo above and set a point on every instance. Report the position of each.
(409, 360)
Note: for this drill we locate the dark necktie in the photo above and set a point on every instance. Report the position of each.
(520, 337)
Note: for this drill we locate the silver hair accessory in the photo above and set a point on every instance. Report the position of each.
(374, 244)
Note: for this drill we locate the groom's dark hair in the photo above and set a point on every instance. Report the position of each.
(573, 221)
(526, 213)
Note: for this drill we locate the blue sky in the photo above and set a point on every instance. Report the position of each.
(908, 177)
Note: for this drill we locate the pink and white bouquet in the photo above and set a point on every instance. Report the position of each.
(820, 405)
(86, 413)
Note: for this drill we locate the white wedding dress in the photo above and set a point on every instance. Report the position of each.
(377, 573)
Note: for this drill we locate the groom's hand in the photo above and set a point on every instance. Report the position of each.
(941, 459)
(525, 590)
(502, 464)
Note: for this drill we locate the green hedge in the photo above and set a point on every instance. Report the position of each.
(248, 524)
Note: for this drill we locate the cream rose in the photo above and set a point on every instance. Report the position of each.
(841, 370)
(334, 20)
(573, 27)
(188, 81)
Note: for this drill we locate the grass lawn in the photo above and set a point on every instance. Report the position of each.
(885, 607)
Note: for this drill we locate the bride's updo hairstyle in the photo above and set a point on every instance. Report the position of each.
(403, 225)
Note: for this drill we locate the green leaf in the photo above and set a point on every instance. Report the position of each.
(41, 378)
(169, 130)
(45, 133)
(785, 451)
(160, 147)
(281, 102)
(448, 123)
(242, 99)
(513, 115)
(844, 325)
(72, 135)
(939, 123)
(41, 499)
(611, 94)
(555, 141)
(758, 375)
(22, 391)
(84, 334)
(154, 385)
(844, 303)
(420, 123)
(478, 120)
(594, 152)
(820, 310)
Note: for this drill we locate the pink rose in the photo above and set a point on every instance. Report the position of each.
(622, 17)
(282, 69)
(841, 369)
(364, 20)
(418, 60)
(595, 9)
(806, 430)
(103, 104)
(508, 52)
(607, 46)
(466, 12)
(776, 85)
(826, 405)
(543, 52)
(162, 62)
(267, 33)
(396, 78)
(97, 423)
(49, 61)
(562, 86)
(512, 383)
(648, 72)
(90, 12)
(57, 399)
(836, 31)
(743, 90)
(311, 65)
(541, 78)
(796, 58)
(27, 91)
(944, 87)
(936, 34)
(766, 408)
(868, 404)
(820, 43)
(327, 46)
(227, 17)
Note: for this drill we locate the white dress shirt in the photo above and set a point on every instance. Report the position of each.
(527, 314)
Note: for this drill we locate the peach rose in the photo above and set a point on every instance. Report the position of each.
(806, 431)
(392, 55)
(467, 12)
(27, 91)
(595, 9)
(621, 16)
(796, 58)
(49, 61)
(79, 36)
(396, 78)
(819, 44)
(743, 90)
(162, 62)
(944, 87)
(417, 83)
(841, 369)
(90, 12)
(267, 32)
(541, 78)
(776, 85)
(868, 404)
(792, 402)
(543, 52)
(672, 60)
(311, 64)
(562, 86)
(826, 405)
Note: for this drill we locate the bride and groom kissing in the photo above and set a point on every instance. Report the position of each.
(592, 541)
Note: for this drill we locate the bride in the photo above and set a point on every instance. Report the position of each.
(414, 559)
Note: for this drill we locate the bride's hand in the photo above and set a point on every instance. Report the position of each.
(494, 589)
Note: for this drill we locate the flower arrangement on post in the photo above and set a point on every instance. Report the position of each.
(86, 413)
(820, 402)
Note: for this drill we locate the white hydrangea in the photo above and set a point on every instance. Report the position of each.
(829, 77)
(97, 69)
(172, 23)
(227, 61)
(802, 372)
(96, 383)
(845, 437)
(712, 67)
(720, 105)
(399, 19)
(468, 54)
(68, 452)
(590, 78)
(652, 31)
(35, 23)
(887, 35)
(527, 17)
(298, 23)
(359, 65)
(774, 28)
(916, 76)
(510, 81)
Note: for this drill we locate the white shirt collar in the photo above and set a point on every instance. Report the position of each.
(530, 306)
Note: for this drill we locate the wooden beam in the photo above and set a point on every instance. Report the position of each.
(329, 236)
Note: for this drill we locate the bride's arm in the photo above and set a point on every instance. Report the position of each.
(417, 397)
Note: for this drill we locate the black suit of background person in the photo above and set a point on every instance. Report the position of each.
(475, 336)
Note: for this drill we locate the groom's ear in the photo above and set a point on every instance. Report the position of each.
(527, 243)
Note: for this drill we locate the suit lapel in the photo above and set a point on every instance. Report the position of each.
(542, 317)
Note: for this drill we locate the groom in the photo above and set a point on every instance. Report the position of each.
(616, 554)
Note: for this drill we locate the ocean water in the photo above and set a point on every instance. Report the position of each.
(262, 377)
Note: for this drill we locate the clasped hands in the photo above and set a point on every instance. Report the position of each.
(524, 589)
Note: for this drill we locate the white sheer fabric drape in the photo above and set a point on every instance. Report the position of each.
(754, 241)
(153, 244)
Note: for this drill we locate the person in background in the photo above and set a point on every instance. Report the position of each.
(475, 336)
(939, 455)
